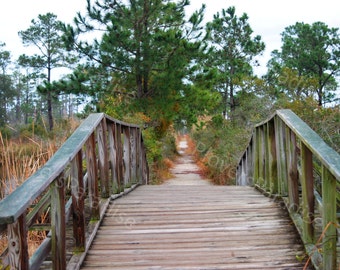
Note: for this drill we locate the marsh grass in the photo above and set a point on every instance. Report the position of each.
(19, 159)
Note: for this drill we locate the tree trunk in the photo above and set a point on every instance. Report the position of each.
(49, 97)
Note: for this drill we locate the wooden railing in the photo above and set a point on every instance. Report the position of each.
(287, 159)
(102, 157)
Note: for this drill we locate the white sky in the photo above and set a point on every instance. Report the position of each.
(268, 18)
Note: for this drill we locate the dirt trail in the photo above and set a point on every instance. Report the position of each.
(185, 171)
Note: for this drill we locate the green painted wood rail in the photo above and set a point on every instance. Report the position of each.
(103, 156)
(286, 159)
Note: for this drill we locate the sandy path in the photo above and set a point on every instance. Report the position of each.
(185, 171)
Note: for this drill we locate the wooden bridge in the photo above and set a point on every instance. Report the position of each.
(103, 215)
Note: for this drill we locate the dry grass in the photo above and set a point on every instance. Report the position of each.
(19, 159)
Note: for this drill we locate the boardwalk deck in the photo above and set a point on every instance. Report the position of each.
(195, 227)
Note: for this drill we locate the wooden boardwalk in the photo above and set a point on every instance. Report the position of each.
(195, 227)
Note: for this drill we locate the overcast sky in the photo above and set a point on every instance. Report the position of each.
(268, 18)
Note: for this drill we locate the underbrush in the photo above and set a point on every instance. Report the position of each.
(219, 145)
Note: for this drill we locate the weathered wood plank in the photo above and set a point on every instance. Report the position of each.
(127, 155)
(103, 160)
(329, 219)
(92, 172)
(78, 202)
(58, 220)
(195, 227)
(307, 183)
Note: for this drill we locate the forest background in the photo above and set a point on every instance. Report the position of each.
(154, 64)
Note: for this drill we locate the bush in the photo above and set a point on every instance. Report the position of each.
(219, 147)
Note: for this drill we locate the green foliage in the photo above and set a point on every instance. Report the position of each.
(45, 34)
(220, 145)
(232, 51)
(308, 61)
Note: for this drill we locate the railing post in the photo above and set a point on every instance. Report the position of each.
(133, 144)
(256, 155)
(307, 183)
(267, 164)
(113, 154)
(127, 155)
(272, 158)
(58, 224)
(92, 173)
(119, 161)
(293, 189)
(281, 156)
(103, 159)
(78, 204)
(262, 157)
(250, 163)
(329, 219)
(17, 256)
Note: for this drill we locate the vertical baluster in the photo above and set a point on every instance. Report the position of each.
(262, 157)
(256, 156)
(272, 158)
(119, 161)
(307, 183)
(127, 156)
(293, 185)
(133, 153)
(113, 155)
(267, 163)
(92, 173)
(139, 158)
(329, 219)
(250, 162)
(58, 225)
(17, 257)
(281, 156)
(78, 203)
(103, 159)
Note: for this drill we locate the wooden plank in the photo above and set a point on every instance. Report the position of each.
(120, 162)
(307, 184)
(293, 182)
(92, 172)
(103, 160)
(272, 158)
(78, 202)
(127, 155)
(134, 149)
(58, 223)
(113, 156)
(195, 227)
(17, 255)
(329, 219)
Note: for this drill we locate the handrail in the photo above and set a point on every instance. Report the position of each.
(286, 159)
(102, 157)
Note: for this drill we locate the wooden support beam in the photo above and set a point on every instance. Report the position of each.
(58, 223)
(329, 219)
(119, 151)
(272, 158)
(293, 184)
(113, 155)
(78, 204)
(103, 160)
(92, 172)
(17, 256)
(307, 183)
(127, 155)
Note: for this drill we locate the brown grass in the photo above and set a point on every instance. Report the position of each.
(19, 159)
